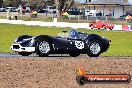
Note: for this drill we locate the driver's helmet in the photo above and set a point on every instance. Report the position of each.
(73, 34)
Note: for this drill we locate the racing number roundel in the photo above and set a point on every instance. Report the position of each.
(79, 44)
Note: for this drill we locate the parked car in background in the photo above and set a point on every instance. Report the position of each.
(2, 9)
(127, 14)
(101, 24)
(42, 11)
(12, 9)
(26, 9)
(51, 9)
(90, 13)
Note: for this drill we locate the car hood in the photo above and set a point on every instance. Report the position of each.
(24, 38)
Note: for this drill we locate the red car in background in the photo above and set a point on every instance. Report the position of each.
(101, 24)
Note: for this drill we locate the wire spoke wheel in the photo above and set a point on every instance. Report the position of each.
(44, 47)
(95, 48)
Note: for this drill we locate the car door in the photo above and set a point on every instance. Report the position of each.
(76, 44)
(62, 44)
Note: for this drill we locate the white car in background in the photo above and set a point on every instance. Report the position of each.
(2, 9)
(26, 9)
(12, 9)
(51, 9)
(90, 13)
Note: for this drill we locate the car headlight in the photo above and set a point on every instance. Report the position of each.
(32, 40)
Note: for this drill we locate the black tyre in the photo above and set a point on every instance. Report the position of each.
(25, 53)
(74, 54)
(43, 48)
(91, 26)
(110, 28)
(104, 27)
(94, 48)
(81, 80)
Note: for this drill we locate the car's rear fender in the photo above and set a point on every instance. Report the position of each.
(103, 42)
(97, 37)
(92, 37)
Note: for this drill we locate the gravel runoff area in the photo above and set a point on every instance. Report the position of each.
(59, 72)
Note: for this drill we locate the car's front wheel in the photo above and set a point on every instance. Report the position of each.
(91, 26)
(43, 48)
(94, 48)
(25, 53)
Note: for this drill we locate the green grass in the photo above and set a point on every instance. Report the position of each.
(121, 44)
(10, 32)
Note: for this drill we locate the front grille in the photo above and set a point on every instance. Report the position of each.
(16, 47)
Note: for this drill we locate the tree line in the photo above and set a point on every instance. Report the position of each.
(65, 4)
(29, 3)
(61, 5)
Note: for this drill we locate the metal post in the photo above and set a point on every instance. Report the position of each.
(78, 18)
(106, 18)
(87, 17)
(8, 14)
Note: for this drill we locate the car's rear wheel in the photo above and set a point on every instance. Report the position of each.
(94, 48)
(43, 48)
(25, 53)
(74, 54)
(110, 28)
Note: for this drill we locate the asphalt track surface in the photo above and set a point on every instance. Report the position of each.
(59, 56)
(16, 55)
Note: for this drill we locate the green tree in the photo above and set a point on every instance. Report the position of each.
(13, 3)
(37, 4)
(63, 6)
(1, 3)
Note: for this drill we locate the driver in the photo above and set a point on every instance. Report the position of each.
(73, 34)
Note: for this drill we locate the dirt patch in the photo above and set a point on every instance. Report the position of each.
(58, 73)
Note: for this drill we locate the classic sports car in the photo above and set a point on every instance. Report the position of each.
(73, 43)
(101, 24)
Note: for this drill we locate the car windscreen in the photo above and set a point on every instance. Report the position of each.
(63, 35)
(82, 36)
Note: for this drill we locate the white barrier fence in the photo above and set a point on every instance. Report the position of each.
(53, 24)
